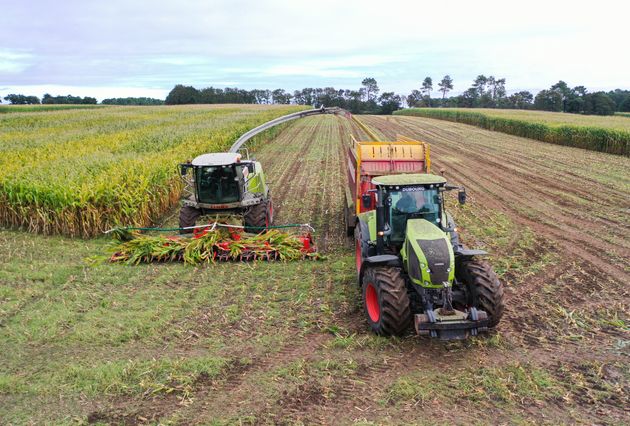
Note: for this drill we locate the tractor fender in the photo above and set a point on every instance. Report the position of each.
(388, 259)
(362, 237)
(464, 252)
(378, 260)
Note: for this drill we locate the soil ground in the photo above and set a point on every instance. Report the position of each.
(287, 343)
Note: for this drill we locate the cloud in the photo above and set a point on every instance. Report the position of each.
(12, 61)
(294, 44)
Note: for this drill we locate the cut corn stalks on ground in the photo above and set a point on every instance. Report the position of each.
(212, 244)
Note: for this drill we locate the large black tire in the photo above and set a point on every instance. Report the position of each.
(188, 217)
(483, 288)
(260, 216)
(385, 301)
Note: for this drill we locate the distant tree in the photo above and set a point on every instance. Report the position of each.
(565, 93)
(574, 99)
(414, 99)
(21, 99)
(182, 95)
(619, 96)
(280, 96)
(354, 103)
(479, 85)
(389, 102)
(625, 105)
(520, 100)
(548, 100)
(599, 103)
(497, 89)
(371, 88)
(446, 85)
(469, 98)
(580, 90)
(262, 96)
(427, 87)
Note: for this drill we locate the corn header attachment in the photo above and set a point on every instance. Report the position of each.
(215, 242)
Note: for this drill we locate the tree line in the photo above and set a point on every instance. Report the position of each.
(484, 92)
(366, 99)
(16, 99)
(132, 101)
(490, 92)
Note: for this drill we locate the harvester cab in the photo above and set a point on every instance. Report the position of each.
(225, 183)
(411, 264)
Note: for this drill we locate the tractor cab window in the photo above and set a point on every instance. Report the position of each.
(410, 203)
(218, 185)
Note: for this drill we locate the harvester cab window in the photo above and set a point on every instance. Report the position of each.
(413, 202)
(218, 185)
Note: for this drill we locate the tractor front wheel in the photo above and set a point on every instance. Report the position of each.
(386, 301)
(259, 216)
(187, 218)
(483, 288)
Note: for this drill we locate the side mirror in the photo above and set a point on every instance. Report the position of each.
(366, 200)
(183, 168)
(461, 197)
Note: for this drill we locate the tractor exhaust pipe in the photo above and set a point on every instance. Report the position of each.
(380, 223)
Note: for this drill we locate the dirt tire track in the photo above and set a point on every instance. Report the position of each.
(223, 395)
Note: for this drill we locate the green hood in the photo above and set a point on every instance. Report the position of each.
(428, 254)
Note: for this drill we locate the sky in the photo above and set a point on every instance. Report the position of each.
(116, 48)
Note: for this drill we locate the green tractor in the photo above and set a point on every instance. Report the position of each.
(411, 264)
(225, 183)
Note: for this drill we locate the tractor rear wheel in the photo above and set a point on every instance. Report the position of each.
(484, 289)
(188, 217)
(386, 301)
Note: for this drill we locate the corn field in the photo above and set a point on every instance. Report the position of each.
(81, 172)
(537, 125)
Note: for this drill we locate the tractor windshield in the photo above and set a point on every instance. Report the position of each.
(412, 202)
(218, 185)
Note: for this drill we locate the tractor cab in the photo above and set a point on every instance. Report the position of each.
(411, 196)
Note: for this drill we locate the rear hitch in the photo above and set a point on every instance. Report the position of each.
(454, 326)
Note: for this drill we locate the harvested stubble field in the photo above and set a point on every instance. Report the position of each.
(287, 342)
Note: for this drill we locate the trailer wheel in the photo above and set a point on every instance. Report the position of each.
(483, 288)
(385, 301)
(188, 217)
